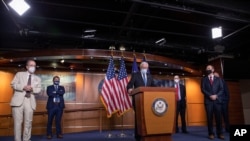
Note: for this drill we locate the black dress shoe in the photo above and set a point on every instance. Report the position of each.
(60, 136)
(211, 137)
(49, 137)
(185, 131)
(221, 137)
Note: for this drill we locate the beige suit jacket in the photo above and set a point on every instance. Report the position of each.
(19, 81)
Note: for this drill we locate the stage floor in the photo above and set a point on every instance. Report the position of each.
(195, 134)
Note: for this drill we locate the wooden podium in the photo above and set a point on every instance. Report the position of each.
(155, 112)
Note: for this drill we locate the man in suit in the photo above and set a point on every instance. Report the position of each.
(225, 103)
(25, 85)
(180, 104)
(212, 88)
(140, 79)
(55, 106)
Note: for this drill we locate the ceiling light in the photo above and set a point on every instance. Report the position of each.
(122, 48)
(112, 47)
(20, 6)
(88, 36)
(216, 32)
(89, 33)
(90, 30)
(161, 41)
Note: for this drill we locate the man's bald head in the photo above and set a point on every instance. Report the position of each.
(144, 65)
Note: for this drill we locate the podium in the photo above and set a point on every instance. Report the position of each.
(155, 109)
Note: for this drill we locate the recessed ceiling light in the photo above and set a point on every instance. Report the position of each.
(20, 6)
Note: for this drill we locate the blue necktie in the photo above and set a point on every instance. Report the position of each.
(145, 79)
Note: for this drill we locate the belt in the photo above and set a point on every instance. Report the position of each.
(27, 95)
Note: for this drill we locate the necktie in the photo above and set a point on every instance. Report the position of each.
(211, 80)
(145, 79)
(56, 87)
(29, 83)
(56, 98)
(177, 92)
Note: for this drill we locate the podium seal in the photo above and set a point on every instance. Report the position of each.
(159, 106)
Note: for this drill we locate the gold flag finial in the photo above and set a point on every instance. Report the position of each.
(112, 48)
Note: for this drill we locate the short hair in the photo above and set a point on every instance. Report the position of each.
(143, 62)
(210, 65)
(30, 60)
(56, 77)
(176, 76)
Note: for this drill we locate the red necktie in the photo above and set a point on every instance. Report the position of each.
(211, 80)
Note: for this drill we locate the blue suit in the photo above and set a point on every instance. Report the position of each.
(213, 107)
(55, 109)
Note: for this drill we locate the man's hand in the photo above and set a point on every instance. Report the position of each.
(213, 97)
(130, 91)
(28, 88)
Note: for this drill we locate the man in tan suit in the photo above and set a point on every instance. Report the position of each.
(23, 103)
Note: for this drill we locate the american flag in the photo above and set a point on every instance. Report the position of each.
(125, 102)
(135, 66)
(110, 91)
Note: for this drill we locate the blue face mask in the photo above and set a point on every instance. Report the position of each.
(56, 82)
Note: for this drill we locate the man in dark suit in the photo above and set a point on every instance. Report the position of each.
(140, 79)
(225, 103)
(180, 104)
(55, 106)
(212, 88)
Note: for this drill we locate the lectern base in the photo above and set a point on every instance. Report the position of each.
(156, 138)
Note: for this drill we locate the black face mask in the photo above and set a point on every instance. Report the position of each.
(208, 72)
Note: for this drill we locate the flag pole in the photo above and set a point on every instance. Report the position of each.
(122, 135)
(110, 135)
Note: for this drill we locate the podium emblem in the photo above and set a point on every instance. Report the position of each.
(159, 106)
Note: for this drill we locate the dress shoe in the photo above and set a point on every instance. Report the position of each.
(177, 130)
(60, 136)
(49, 137)
(221, 137)
(185, 132)
(211, 137)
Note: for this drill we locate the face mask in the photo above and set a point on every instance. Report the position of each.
(56, 82)
(143, 70)
(176, 80)
(208, 72)
(31, 69)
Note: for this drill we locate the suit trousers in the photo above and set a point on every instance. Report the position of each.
(213, 109)
(54, 112)
(225, 115)
(19, 113)
(181, 109)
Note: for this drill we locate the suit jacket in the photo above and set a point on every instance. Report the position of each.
(137, 81)
(51, 92)
(19, 81)
(208, 89)
(182, 92)
(226, 94)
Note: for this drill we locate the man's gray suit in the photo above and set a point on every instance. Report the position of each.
(22, 105)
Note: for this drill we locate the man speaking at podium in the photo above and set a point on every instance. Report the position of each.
(140, 79)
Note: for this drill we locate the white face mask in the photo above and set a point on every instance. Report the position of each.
(143, 70)
(31, 69)
(176, 80)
